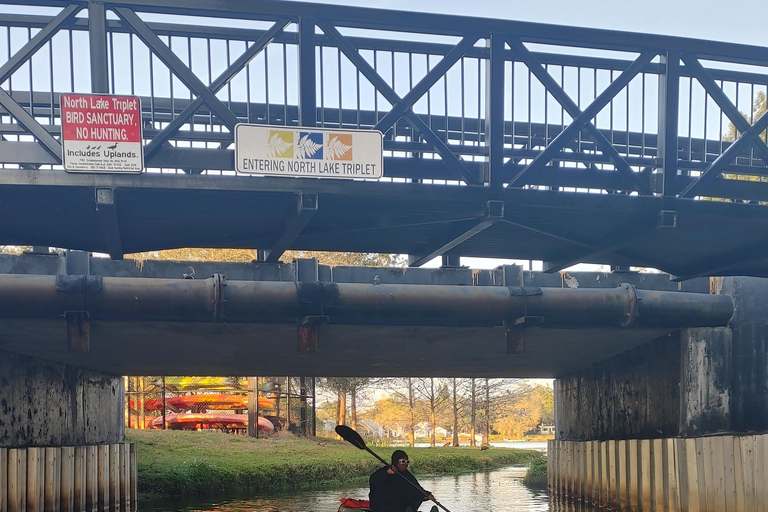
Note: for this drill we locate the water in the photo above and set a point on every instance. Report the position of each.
(499, 490)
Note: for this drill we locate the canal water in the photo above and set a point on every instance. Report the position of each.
(500, 490)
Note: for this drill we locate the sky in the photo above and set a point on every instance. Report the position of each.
(703, 19)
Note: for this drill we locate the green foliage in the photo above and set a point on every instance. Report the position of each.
(524, 409)
(198, 463)
(249, 255)
(13, 249)
(537, 472)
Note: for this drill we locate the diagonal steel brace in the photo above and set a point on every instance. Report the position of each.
(19, 59)
(716, 167)
(581, 119)
(421, 88)
(174, 63)
(222, 80)
(717, 94)
(393, 98)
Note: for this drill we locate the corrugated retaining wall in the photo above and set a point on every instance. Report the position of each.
(704, 474)
(70, 478)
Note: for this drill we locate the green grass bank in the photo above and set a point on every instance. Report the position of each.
(537, 472)
(207, 463)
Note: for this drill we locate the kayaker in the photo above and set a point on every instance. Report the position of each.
(391, 493)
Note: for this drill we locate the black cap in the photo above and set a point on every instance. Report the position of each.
(397, 455)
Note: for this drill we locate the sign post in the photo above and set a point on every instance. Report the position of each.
(101, 133)
(308, 152)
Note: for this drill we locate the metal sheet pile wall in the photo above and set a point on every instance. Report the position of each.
(703, 474)
(69, 478)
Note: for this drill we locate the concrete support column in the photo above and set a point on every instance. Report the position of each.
(50, 404)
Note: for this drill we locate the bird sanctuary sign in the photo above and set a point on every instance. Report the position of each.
(308, 152)
(101, 133)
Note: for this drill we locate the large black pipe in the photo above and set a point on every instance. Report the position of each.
(216, 299)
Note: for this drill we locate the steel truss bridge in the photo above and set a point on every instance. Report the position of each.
(501, 139)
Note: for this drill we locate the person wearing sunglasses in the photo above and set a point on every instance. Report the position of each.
(395, 489)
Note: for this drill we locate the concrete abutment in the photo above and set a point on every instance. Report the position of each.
(62, 439)
(677, 424)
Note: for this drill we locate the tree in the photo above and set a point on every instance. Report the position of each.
(523, 408)
(758, 109)
(436, 397)
(344, 386)
(390, 412)
(473, 415)
(411, 422)
(13, 249)
(487, 419)
(249, 255)
(327, 411)
(455, 415)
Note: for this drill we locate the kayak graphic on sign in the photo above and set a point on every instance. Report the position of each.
(318, 152)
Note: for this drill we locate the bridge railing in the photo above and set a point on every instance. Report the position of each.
(460, 100)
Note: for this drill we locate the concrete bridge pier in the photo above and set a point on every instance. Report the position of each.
(677, 424)
(62, 439)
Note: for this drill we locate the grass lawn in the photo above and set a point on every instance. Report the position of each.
(205, 463)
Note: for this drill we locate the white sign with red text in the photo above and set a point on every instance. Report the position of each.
(101, 133)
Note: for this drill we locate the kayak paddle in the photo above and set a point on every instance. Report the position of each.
(352, 437)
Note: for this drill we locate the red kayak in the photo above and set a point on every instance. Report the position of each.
(208, 420)
(206, 401)
(353, 505)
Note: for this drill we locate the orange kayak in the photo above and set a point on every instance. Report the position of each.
(206, 401)
(208, 420)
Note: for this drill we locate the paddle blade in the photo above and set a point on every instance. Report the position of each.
(350, 436)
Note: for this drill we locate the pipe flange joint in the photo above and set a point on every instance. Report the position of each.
(219, 282)
(632, 309)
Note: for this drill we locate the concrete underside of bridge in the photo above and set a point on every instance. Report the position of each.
(175, 348)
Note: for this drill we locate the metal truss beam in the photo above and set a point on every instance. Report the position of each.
(384, 19)
(606, 244)
(722, 161)
(393, 98)
(427, 220)
(581, 119)
(547, 233)
(306, 208)
(181, 70)
(717, 94)
(494, 212)
(738, 257)
(223, 79)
